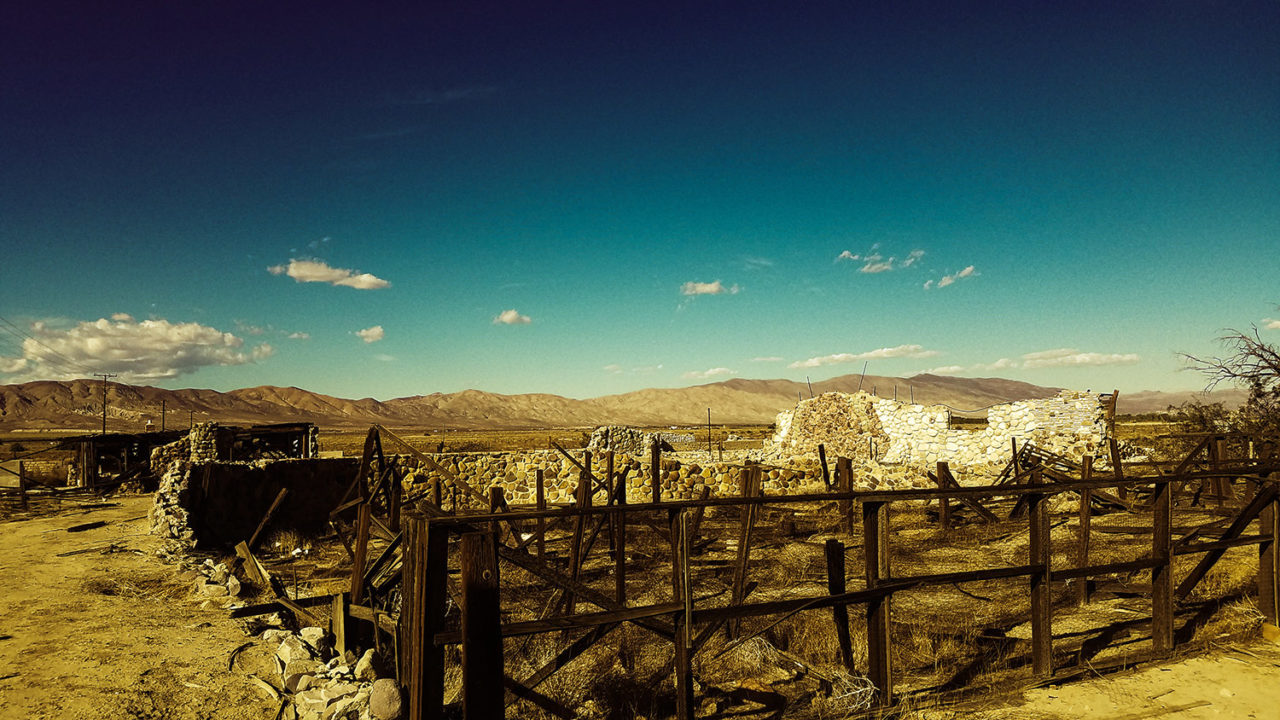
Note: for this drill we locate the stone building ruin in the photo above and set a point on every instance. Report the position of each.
(1072, 424)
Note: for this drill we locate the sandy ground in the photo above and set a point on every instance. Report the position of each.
(114, 635)
(1238, 681)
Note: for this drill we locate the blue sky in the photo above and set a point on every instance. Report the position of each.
(592, 198)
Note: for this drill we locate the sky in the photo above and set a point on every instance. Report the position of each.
(385, 200)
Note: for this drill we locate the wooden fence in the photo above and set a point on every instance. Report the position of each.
(459, 561)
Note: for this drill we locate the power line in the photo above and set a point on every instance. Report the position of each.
(66, 363)
(105, 377)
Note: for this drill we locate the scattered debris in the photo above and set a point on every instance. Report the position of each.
(87, 526)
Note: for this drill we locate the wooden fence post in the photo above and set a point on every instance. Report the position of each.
(1117, 466)
(844, 482)
(496, 501)
(1268, 572)
(482, 667)
(425, 573)
(1041, 600)
(655, 468)
(749, 484)
(875, 532)
(836, 586)
(822, 459)
(579, 527)
(340, 623)
(1162, 575)
(22, 484)
(682, 593)
(620, 544)
(1082, 540)
(397, 495)
(541, 500)
(361, 551)
(944, 503)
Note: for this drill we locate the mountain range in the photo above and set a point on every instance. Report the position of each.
(77, 404)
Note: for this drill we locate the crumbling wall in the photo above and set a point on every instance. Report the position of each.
(620, 439)
(217, 504)
(1071, 423)
(847, 425)
(203, 442)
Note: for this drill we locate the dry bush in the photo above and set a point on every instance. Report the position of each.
(1235, 620)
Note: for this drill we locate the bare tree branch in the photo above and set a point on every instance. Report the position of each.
(1251, 362)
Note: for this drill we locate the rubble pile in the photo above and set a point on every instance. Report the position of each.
(212, 581)
(328, 686)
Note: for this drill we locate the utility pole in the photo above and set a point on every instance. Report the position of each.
(162, 411)
(105, 377)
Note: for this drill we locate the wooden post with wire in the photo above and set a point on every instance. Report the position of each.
(105, 377)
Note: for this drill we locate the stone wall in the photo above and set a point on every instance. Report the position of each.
(47, 470)
(217, 504)
(1071, 423)
(682, 478)
(203, 440)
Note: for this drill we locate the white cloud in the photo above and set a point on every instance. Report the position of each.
(511, 317)
(1270, 324)
(299, 336)
(371, 334)
(1070, 357)
(306, 271)
(873, 262)
(134, 351)
(1001, 364)
(711, 288)
(900, 351)
(944, 370)
(751, 262)
(769, 359)
(616, 369)
(707, 374)
(381, 357)
(946, 280)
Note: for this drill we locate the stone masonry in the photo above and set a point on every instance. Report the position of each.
(1071, 423)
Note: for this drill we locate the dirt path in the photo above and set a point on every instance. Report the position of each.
(1240, 681)
(115, 635)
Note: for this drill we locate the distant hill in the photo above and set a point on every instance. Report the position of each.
(77, 404)
(1153, 401)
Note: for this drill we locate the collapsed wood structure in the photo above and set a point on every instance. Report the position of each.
(444, 574)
